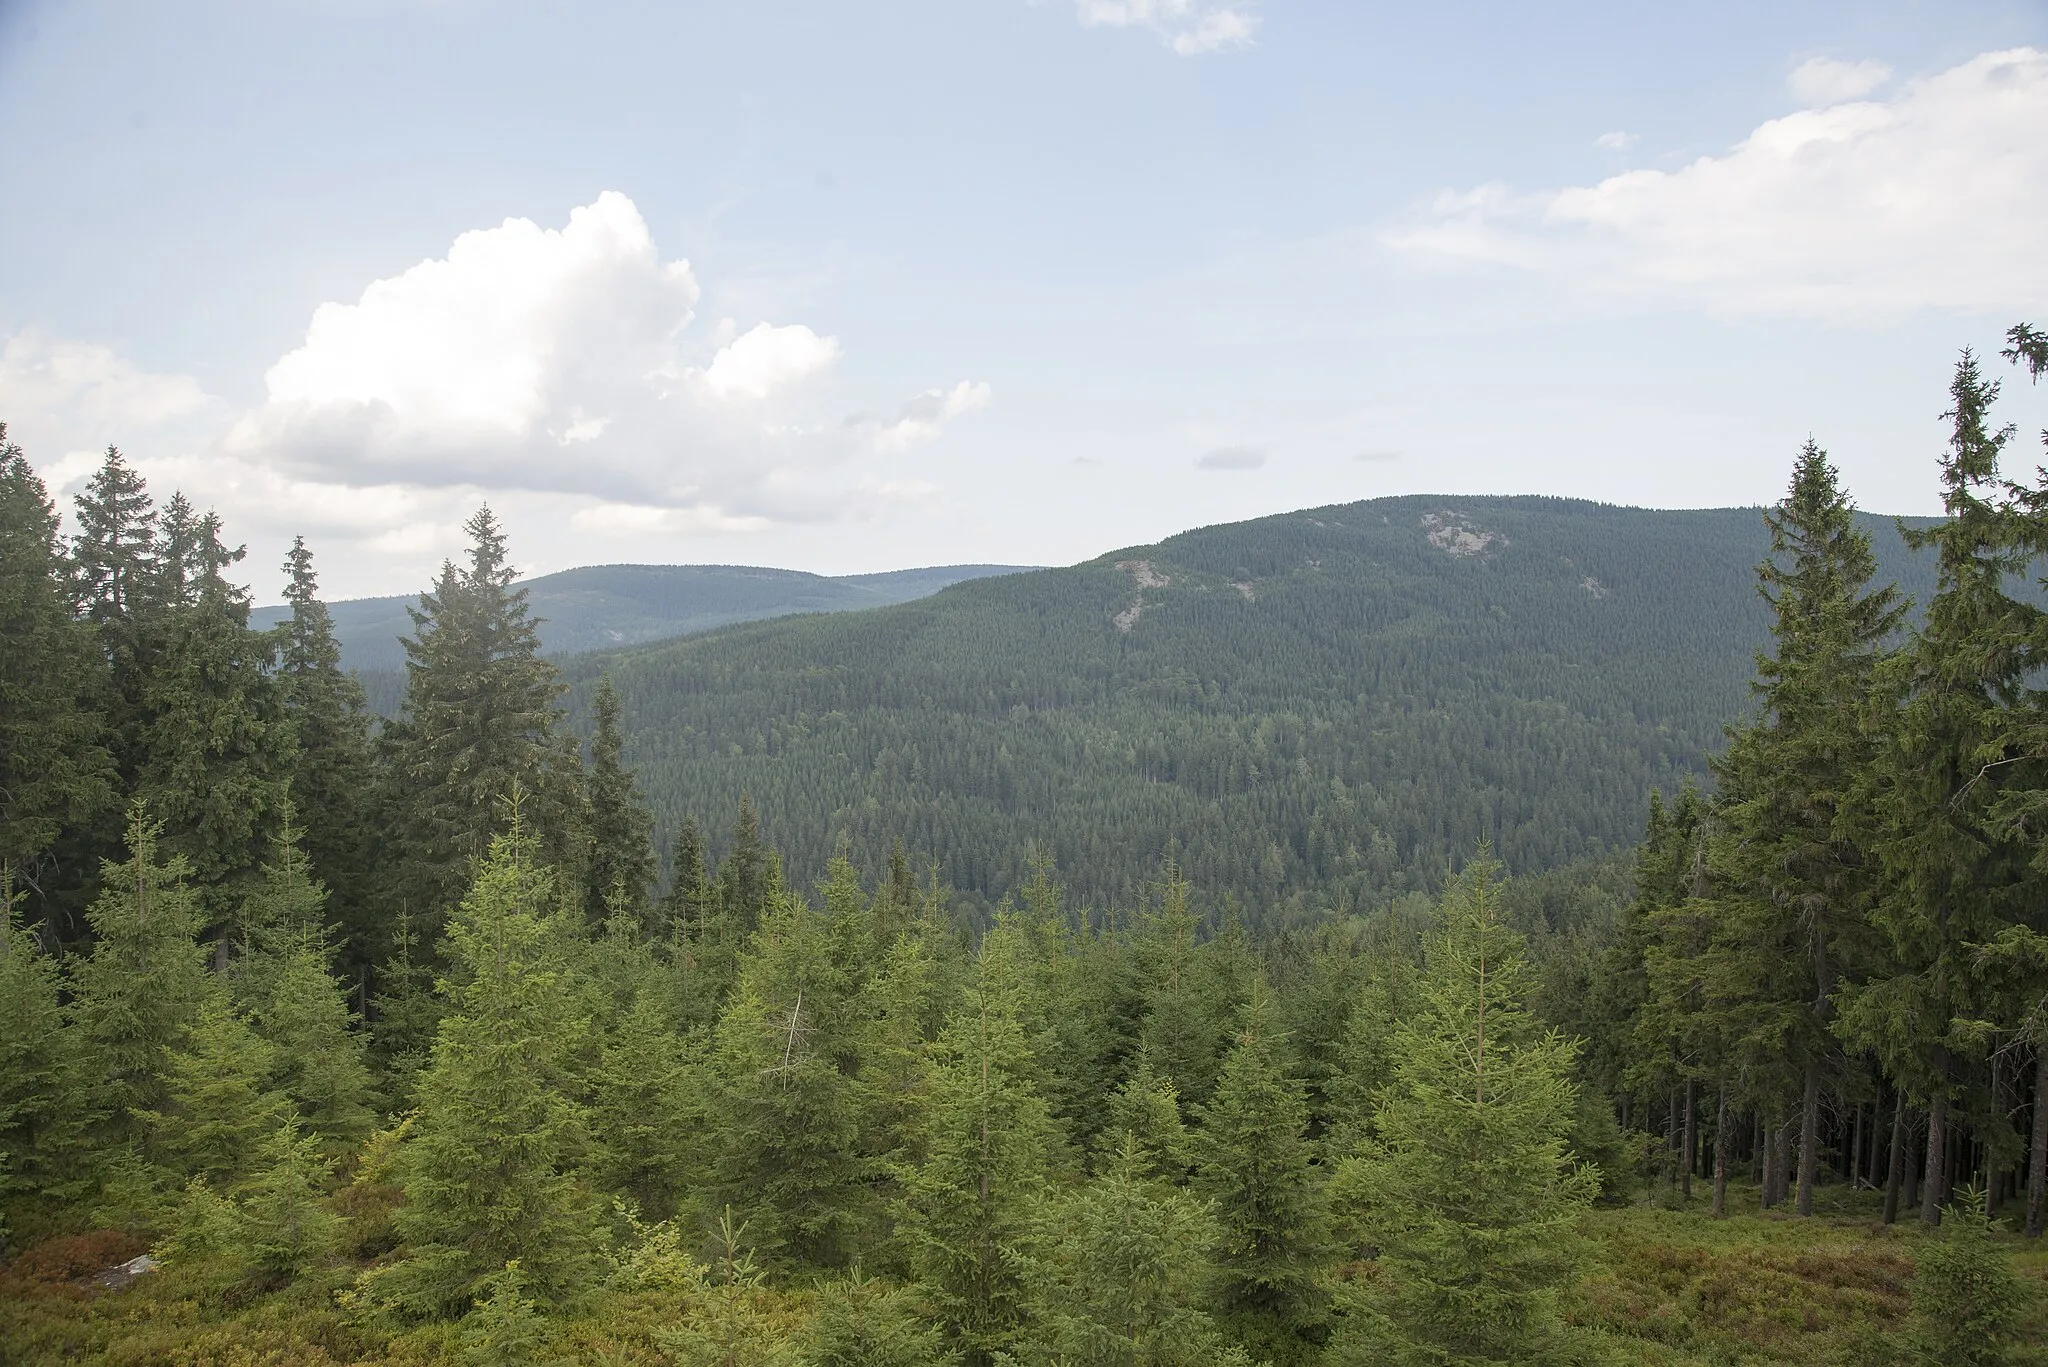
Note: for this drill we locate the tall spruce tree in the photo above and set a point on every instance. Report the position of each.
(480, 721)
(1471, 1194)
(619, 860)
(212, 750)
(2018, 959)
(54, 770)
(488, 1171)
(332, 778)
(1787, 859)
(1954, 878)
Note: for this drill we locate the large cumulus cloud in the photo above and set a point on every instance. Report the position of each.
(564, 361)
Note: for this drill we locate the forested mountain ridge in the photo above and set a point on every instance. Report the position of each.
(1317, 708)
(595, 607)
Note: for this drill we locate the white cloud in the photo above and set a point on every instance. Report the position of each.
(1932, 199)
(1823, 80)
(1189, 27)
(53, 391)
(1232, 458)
(1615, 142)
(561, 361)
(757, 363)
(922, 417)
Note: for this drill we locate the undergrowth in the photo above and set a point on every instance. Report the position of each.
(1672, 1287)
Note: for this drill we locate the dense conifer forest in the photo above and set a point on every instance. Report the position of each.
(1314, 712)
(330, 1041)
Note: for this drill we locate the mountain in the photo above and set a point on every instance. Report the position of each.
(601, 606)
(1321, 708)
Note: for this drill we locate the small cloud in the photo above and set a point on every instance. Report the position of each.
(1823, 80)
(1232, 458)
(923, 415)
(1189, 27)
(1377, 457)
(1616, 141)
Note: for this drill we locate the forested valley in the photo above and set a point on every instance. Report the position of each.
(330, 1040)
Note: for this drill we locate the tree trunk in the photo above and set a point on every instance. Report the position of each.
(1937, 1160)
(1671, 1138)
(1856, 1151)
(1721, 1158)
(1691, 1144)
(2037, 1149)
(1768, 1183)
(1809, 1139)
(1895, 1162)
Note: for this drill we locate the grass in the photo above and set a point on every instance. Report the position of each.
(1676, 1286)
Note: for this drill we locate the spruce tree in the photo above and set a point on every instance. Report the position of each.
(1470, 1194)
(45, 1100)
(647, 1110)
(1186, 1020)
(864, 1322)
(116, 538)
(1142, 1127)
(749, 878)
(1794, 881)
(480, 721)
(2018, 958)
(1954, 875)
(1117, 1274)
(332, 778)
(726, 1323)
(1255, 1162)
(212, 750)
(217, 1107)
(405, 1014)
(899, 1012)
(54, 770)
(144, 983)
(986, 1152)
(488, 1169)
(619, 860)
(284, 981)
(287, 1229)
(1967, 1300)
(681, 913)
(785, 1114)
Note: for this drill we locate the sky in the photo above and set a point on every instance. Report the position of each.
(855, 286)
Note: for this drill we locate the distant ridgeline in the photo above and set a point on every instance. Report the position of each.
(602, 606)
(1320, 708)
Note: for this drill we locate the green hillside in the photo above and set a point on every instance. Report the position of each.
(601, 606)
(1321, 707)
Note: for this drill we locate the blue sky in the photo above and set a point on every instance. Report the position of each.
(994, 280)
